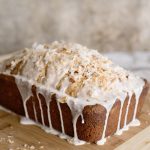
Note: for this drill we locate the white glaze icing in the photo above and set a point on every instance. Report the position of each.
(48, 100)
(72, 65)
(119, 120)
(63, 136)
(82, 118)
(127, 110)
(76, 110)
(25, 91)
(34, 110)
(134, 122)
(103, 139)
(42, 117)
(137, 97)
(26, 121)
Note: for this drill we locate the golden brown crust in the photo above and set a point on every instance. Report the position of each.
(94, 116)
(10, 97)
(113, 119)
(124, 112)
(142, 97)
(131, 109)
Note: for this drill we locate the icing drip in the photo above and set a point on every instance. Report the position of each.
(37, 91)
(35, 114)
(25, 108)
(127, 110)
(25, 91)
(119, 131)
(76, 110)
(47, 95)
(122, 100)
(63, 136)
(51, 129)
(82, 118)
(48, 100)
(137, 98)
(75, 140)
(135, 121)
(103, 139)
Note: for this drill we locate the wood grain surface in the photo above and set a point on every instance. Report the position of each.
(14, 136)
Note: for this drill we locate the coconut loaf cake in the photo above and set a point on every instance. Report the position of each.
(71, 91)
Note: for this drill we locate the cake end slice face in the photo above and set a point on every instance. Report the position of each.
(71, 91)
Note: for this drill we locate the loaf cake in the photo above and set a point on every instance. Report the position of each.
(71, 91)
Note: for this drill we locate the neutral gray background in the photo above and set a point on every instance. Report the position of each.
(106, 25)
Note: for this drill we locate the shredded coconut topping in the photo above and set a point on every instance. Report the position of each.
(72, 69)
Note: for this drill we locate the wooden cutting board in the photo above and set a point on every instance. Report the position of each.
(14, 136)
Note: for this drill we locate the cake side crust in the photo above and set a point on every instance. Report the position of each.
(93, 116)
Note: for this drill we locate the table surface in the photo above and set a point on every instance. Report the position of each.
(14, 136)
